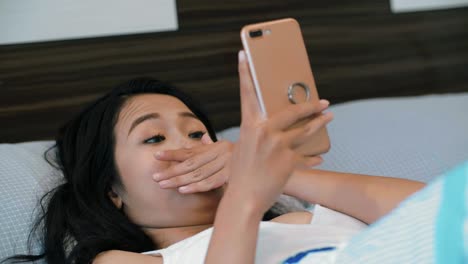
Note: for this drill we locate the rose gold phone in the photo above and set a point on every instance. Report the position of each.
(281, 72)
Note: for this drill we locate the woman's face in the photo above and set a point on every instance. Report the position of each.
(147, 124)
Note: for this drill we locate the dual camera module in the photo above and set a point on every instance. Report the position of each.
(259, 32)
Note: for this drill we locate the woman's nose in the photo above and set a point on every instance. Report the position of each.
(186, 142)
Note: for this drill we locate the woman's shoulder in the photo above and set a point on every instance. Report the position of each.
(123, 257)
(297, 218)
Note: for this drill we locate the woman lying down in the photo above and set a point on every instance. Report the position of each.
(146, 182)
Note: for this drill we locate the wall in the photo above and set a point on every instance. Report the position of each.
(357, 49)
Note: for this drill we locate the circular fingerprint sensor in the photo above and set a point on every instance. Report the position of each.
(298, 93)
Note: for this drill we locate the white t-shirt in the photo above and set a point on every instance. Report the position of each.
(277, 242)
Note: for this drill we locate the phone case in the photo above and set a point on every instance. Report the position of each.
(281, 72)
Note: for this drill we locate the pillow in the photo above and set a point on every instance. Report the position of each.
(24, 178)
(415, 138)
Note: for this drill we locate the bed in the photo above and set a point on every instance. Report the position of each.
(399, 137)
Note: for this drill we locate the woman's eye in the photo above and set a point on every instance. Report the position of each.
(155, 139)
(197, 135)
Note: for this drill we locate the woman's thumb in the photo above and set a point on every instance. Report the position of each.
(249, 104)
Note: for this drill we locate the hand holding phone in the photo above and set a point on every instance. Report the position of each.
(281, 73)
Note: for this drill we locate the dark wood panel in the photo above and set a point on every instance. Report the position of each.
(357, 50)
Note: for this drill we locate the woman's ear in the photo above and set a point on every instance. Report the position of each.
(115, 198)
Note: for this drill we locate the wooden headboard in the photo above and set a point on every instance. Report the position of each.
(357, 49)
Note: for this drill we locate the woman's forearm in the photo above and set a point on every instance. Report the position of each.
(234, 237)
(364, 197)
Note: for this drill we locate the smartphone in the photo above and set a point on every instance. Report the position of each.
(281, 72)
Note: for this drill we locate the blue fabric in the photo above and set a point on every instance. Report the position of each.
(428, 227)
(299, 256)
(450, 222)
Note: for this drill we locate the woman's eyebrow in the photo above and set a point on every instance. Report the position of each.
(188, 114)
(142, 119)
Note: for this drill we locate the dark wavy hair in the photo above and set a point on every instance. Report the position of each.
(78, 220)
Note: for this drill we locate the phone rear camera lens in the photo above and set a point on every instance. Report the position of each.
(255, 33)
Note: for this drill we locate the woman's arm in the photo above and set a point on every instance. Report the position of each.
(363, 197)
(260, 166)
(235, 232)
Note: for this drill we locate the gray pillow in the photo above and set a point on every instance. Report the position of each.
(24, 178)
(416, 138)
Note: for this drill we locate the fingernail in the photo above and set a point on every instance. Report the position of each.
(184, 189)
(158, 154)
(241, 55)
(164, 184)
(324, 102)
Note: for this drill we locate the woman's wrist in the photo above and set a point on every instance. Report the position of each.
(302, 184)
(237, 222)
(242, 204)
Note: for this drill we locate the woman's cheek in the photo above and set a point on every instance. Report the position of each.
(140, 182)
(152, 165)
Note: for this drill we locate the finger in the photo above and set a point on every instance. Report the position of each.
(249, 104)
(191, 159)
(294, 113)
(209, 184)
(176, 154)
(299, 135)
(191, 163)
(206, 171)
(312, 161)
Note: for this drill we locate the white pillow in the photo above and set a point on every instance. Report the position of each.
(24, 178)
